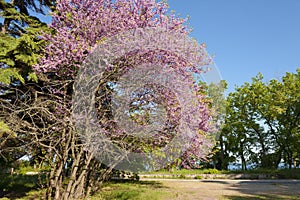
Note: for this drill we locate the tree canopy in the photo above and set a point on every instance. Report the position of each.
(262, 122)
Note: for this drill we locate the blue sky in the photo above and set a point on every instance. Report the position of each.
(246, 36)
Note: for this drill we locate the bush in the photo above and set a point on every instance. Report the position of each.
(23, 170)
(211, 171)
(289, 173)
(198, 177)
(182, 176)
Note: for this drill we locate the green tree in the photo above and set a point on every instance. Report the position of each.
(216, 96)
(21, 47)
(237, 136)
(289, 117)
(20, 41)
(262, 122)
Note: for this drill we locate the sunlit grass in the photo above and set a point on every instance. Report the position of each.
(137, 190)
(278, 173)
(188, 171)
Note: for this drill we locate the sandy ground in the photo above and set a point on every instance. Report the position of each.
(232, 189)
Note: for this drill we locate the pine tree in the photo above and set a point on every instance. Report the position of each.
(21, 47)
(20, 42)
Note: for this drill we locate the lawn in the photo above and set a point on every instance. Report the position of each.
(137, 190)
(277, 173)
(21, 186)
(31, 187)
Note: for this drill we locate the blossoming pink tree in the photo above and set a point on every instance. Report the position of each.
(81, 29)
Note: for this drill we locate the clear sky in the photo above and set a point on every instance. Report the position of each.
(246, 36)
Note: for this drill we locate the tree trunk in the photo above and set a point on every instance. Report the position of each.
(244, 164)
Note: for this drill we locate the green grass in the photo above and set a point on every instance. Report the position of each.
(278, 173)
(29, 186)
(137, 190)
(151, 190)
(21, 186)
(188, 171)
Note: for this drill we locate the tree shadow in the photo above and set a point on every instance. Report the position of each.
(272, 189)
(260, 197)
(215, 181)
(151, 184)
(17, 186)
(15, 194)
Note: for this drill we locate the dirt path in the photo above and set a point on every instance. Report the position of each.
(232, 189)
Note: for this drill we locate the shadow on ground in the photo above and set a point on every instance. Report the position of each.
(215, 181)
(272, 190)
(261, 197)
(17, 186)
(150, 184)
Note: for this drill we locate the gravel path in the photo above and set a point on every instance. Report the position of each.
(231, 189)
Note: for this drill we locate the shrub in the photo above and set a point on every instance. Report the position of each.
(211, 171)
(198, 177)
(182, 176)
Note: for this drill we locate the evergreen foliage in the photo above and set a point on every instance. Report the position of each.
(20, 40)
